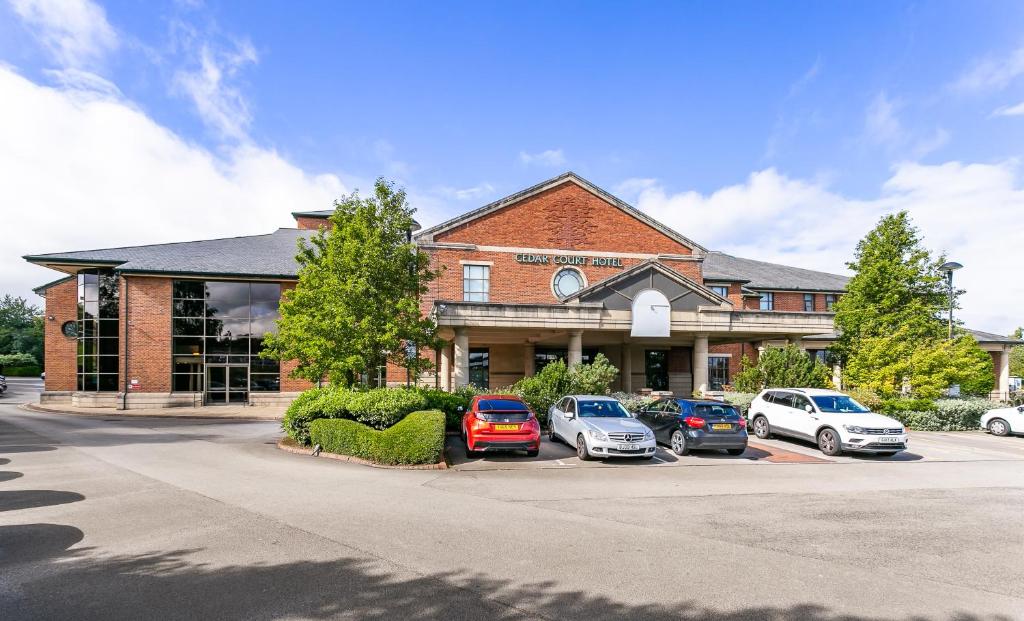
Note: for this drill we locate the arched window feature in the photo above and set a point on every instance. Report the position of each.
(652, 314)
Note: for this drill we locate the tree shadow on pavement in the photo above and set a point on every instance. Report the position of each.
(171, 585)
(31, 498)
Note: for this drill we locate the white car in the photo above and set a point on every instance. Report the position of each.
(1004, 421)
(599, 427)
(836, 422)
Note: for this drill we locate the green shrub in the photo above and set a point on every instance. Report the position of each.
(21, 371)
(556, 380)
(740, 399)
(782, 367)
(326, 402)
(867, 398)
(633, 402)
(905, 404)
(416, 439)
(945, 415)
(383, 407)
(449, 403)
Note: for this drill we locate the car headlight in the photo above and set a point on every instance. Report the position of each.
(648, 435)
(853, 428)
(597, 434)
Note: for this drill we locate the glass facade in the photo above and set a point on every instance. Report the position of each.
(218, 330)
(98, 330)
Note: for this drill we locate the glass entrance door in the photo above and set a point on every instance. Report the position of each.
(227, 384)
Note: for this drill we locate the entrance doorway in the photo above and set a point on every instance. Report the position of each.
(227, 384)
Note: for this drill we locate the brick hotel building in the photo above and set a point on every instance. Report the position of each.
(562, 269)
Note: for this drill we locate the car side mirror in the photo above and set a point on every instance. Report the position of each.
(809, 409)
(567, 415)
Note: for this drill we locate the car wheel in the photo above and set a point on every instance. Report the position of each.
(581, 449)
(735, 452)
(551, 434)
(998, 427)
(761, 428)
(679, 446)
(829, 442)
(533, 453)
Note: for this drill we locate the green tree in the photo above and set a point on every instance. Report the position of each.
(781, 367)
(892, 336)
(357, 301)
(557, 379)
(1017, 355)
(21, 327)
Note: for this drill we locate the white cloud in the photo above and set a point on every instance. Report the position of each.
(93, 171)
(464, 194)
(991, 74)
(220, 104)
(76, 33)
(1017, 110)
(550, 158)
(971, 212)
(882, 127)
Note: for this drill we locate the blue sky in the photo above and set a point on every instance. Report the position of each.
(775, 131)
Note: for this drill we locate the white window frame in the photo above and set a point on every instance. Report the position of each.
(476, 296)
(722, 290)
(767, 301)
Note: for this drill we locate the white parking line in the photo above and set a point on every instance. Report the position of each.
(659, 460)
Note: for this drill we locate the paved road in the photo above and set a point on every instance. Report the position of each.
(112, 518)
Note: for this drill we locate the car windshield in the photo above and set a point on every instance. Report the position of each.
(501, 405)
(602, 409)
(716, 411)
(839, 404)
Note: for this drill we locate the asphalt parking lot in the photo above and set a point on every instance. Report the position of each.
(126, 518)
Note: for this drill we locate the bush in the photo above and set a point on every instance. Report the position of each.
(21, 371)
(867, 398)
(903, 404)
(312, 404)
(782, 367)
(556, 380)
(740, 399)
(383, 407)
(416, 439)
(449, 403)
(632, 402)
(945, 415)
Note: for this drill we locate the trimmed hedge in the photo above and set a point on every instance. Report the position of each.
(449, 403)
(22, 371)
(947, 415)
(416, 439)
(380, 408)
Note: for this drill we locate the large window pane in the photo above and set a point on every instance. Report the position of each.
(265, 293)
(192, 346)
(231, 329)
(265, 383)
(191, 289)
(264, 365)
(187, 383)
(479, 367)
(108, 327)
(227, 299)
(187, 326)
(188, 308)
(108, 364)
(108, 347)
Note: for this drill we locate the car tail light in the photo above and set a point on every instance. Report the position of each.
(742, 422)
(694, 422)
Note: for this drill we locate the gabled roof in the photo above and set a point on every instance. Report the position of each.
(758, 275)
(650, 264)
(41, 289)
(266, 256)
(428, 234)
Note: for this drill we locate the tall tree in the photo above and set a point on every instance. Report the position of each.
(1017, 355)
(891, 331)
(21, 327)
(357, 301)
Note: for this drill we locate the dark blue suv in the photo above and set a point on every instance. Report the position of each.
(688, 424)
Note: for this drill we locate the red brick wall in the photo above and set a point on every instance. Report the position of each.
(567, 217)
(736, 351)
(148, 332)
(310, 224)
(60, 351)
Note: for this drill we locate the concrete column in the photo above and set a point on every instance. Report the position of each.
(1003, 385)
(700, 364)
(575, 347)
(837, 376)
(760, 349)
(528, 359)
(797, 340)
(626, 367)
(461, 357)
(446, 366)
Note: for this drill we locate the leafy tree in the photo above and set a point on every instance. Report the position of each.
(781, 367)
(21, 327)
(17, 360)
(1017, 355)
(892, 337)
(357, 301)
(557, 379)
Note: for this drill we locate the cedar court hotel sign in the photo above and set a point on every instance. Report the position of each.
(566, 259)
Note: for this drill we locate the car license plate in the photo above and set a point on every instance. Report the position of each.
(721, 426)
(506, 427)
(629, 447)
(890, 440)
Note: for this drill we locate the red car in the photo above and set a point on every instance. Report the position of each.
(500, 423)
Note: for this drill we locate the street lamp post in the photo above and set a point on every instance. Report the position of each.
(949, 267)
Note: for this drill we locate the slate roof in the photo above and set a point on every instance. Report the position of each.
(759, 275)
(271, 255)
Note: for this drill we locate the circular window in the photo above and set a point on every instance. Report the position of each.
(567, 282)
(69, 329)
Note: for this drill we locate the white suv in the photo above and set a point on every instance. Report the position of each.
(836, 422)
